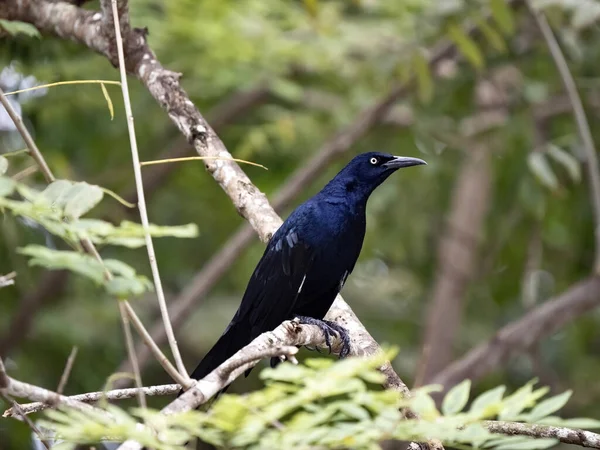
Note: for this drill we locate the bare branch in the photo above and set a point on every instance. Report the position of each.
(565, 435)
(16, 407)
(15, 388)
(93, 397)
(137, 376)
(521, 334)
(583, 125)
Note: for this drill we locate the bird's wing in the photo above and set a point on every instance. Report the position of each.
(276, 282)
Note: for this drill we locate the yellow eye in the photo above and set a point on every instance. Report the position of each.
(374, 160)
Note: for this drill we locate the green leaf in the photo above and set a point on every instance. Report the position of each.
(109, 102)
(54, 259)
(123, 288)
(7, 186)
(528, 444)
(423, 74)
(125, 282)
(487, 400)
(582, 423)
(466, 45)
(3, 165)
(353, 411)
(56, 193)
(14, 27)
(424, 405)
(81, 198)
(503, 16)
(567, 160)
(456, 398)
(494, 38)
(539, 166)
(287, 90)
(549, 406)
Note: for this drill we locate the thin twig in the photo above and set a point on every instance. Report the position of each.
(160, 356)
(34, 428)
(25, 172)
(67, 372)
(33, 150)
(132, 356)
(198, 158)
(93, 397)
(565, 435)
(583, 125)
(141, 200)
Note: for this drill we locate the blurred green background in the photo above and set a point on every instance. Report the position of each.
(495, 225)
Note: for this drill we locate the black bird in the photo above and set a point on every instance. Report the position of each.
(308, 259)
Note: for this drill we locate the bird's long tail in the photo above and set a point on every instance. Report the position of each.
(236, 336)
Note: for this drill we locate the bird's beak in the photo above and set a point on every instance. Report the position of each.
(403, 161)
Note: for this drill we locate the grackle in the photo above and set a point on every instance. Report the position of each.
(308, 259)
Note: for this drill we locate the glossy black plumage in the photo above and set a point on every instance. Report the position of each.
(309, 258)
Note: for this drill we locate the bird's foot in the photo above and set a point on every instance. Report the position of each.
(329, 328)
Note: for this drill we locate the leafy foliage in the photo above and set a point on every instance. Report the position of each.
(58, 208)
(323, 404)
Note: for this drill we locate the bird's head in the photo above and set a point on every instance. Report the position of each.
(368, 170)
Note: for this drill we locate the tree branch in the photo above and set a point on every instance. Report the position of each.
(521, 334)
(564, 435)
(93, 397)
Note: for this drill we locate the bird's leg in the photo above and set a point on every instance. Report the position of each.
(329, 328)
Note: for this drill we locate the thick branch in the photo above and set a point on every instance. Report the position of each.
(520, 335)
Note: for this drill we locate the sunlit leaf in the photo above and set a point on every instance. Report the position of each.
(567, 160)
(81, 198)
(3, 165)
(122, 287)
(7, 186)
(109, 102)
(539, 166)
(549, 406)
(456, 398)
(487, 400)
(15, 27)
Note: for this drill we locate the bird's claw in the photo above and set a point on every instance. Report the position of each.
(329, 329)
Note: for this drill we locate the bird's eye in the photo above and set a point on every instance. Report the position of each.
(374, 160)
